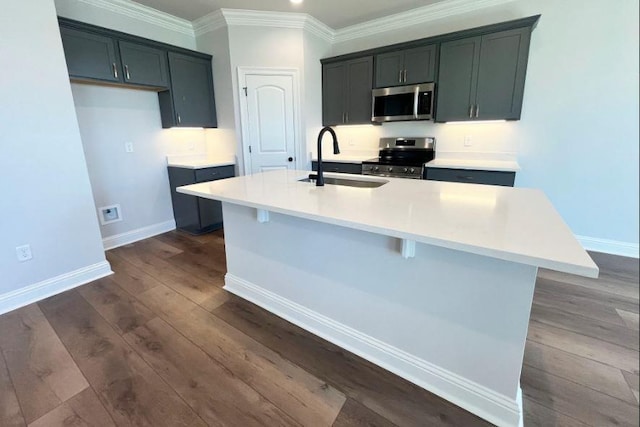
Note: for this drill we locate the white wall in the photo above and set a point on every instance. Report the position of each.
(138, 181)
(47, 200)
(578, 137)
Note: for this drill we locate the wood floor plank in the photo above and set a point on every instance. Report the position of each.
(202, 262)
(44, 374)
(82, 410)
(178, 240)
(130, 277)
(225, 401)
(630, 319)
(120, 309)
(589, 373)
(580, 345)
(582, 295)
(576, 401)
(10, 412)
(355, 414)
(536, 415)
(129, 389)
(604, 331)
(304, 397)
(390, 396)
(607, 282)
(632, 380)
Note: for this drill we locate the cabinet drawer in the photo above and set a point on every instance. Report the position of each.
(353, 168)
(212, 174)
(471, 176)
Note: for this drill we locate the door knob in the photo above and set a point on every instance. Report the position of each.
(290, 159)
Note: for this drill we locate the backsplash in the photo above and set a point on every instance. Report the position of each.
(482, 139)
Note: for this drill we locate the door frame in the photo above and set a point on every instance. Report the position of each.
(244, 110)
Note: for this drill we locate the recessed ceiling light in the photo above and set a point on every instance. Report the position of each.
(296, 1)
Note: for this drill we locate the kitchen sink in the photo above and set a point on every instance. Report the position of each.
(360, 183)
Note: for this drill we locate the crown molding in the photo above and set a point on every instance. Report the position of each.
(413, 17)
(144, 13)
(209, 22)
(255, 18)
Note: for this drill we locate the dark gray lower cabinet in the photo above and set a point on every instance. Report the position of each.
(354, 168)
(468, 176)
(194, 214)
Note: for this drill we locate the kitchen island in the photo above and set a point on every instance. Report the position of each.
(431, 280)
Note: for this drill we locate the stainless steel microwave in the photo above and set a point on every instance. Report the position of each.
(403, 103)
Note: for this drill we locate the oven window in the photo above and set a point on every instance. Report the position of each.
(394, 105)
(425, 103)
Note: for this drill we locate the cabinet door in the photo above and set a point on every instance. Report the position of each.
(333, 94)
(90, 56)
(192, 91)
(389, 67)
(420, 64)
(144, 65)
(359, 86)
(457, 79)
(503, 63)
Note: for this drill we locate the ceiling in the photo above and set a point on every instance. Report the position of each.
(334, 13)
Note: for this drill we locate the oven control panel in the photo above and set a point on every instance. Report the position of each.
(412, 172)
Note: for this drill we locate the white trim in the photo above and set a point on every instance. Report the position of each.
(132, 236)
(411, 17)
(209, 22)
(613, 247)
(244, 112)
(488, 404)
(144, 13)
(46, 288)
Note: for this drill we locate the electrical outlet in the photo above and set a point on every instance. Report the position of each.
(467, 141)
(128, 147)
(24, 253)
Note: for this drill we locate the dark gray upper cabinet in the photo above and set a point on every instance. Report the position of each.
(410, 66)
(190, 102)
(144, 65)
(346, 92)
(482, 78)
(90, 56)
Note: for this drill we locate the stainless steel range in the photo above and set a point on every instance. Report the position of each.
(401, 157)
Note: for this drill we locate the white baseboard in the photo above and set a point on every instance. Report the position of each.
(41, 290)
(613, 247)
(133, 236)
(494, 407)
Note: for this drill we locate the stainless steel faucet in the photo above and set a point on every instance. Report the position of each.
(336, 150)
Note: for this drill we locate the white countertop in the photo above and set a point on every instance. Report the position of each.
(197, 162)
(488, 165)
(514, 224)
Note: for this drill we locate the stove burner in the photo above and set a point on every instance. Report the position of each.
(401, 158)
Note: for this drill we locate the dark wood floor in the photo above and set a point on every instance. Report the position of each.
(159, 343)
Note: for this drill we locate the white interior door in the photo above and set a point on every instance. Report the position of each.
(269, 121)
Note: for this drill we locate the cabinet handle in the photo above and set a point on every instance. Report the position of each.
(477, 111)
(346, 117)
(115, 70)
(471, 111)
(126, 72)
(400, 76)
(405, 76)
(465, 177)
(179, 119)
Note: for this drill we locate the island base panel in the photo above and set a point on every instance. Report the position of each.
(451, 322)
